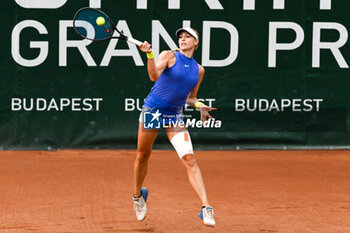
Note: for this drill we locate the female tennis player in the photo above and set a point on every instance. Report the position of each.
(177, 78)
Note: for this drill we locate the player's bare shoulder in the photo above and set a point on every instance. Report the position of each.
(169, 56)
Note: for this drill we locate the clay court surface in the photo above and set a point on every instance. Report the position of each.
(251, 191)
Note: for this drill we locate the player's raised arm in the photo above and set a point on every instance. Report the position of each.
(155, 68)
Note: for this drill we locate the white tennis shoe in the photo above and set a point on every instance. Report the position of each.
(207, 215)
(140, 205)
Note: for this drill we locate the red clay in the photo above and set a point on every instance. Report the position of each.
(251, 191)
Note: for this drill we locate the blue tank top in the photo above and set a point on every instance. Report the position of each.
(170, 91)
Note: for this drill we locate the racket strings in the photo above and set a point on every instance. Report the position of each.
(87, 26)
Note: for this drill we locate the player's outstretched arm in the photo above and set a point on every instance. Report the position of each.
(155, 68)
(193, 101)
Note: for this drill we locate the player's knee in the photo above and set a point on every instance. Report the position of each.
(189, 160)
(143, 156)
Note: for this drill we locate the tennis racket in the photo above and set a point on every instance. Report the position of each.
(85, 23)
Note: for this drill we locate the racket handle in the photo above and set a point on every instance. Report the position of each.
(133, 41)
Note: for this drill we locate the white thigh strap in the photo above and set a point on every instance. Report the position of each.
(182, 143)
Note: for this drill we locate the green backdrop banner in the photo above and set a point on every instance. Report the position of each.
(278, 72)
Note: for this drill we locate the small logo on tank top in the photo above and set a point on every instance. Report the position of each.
(187, 65)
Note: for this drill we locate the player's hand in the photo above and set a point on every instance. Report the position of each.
(145, 47)
(204, 110)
